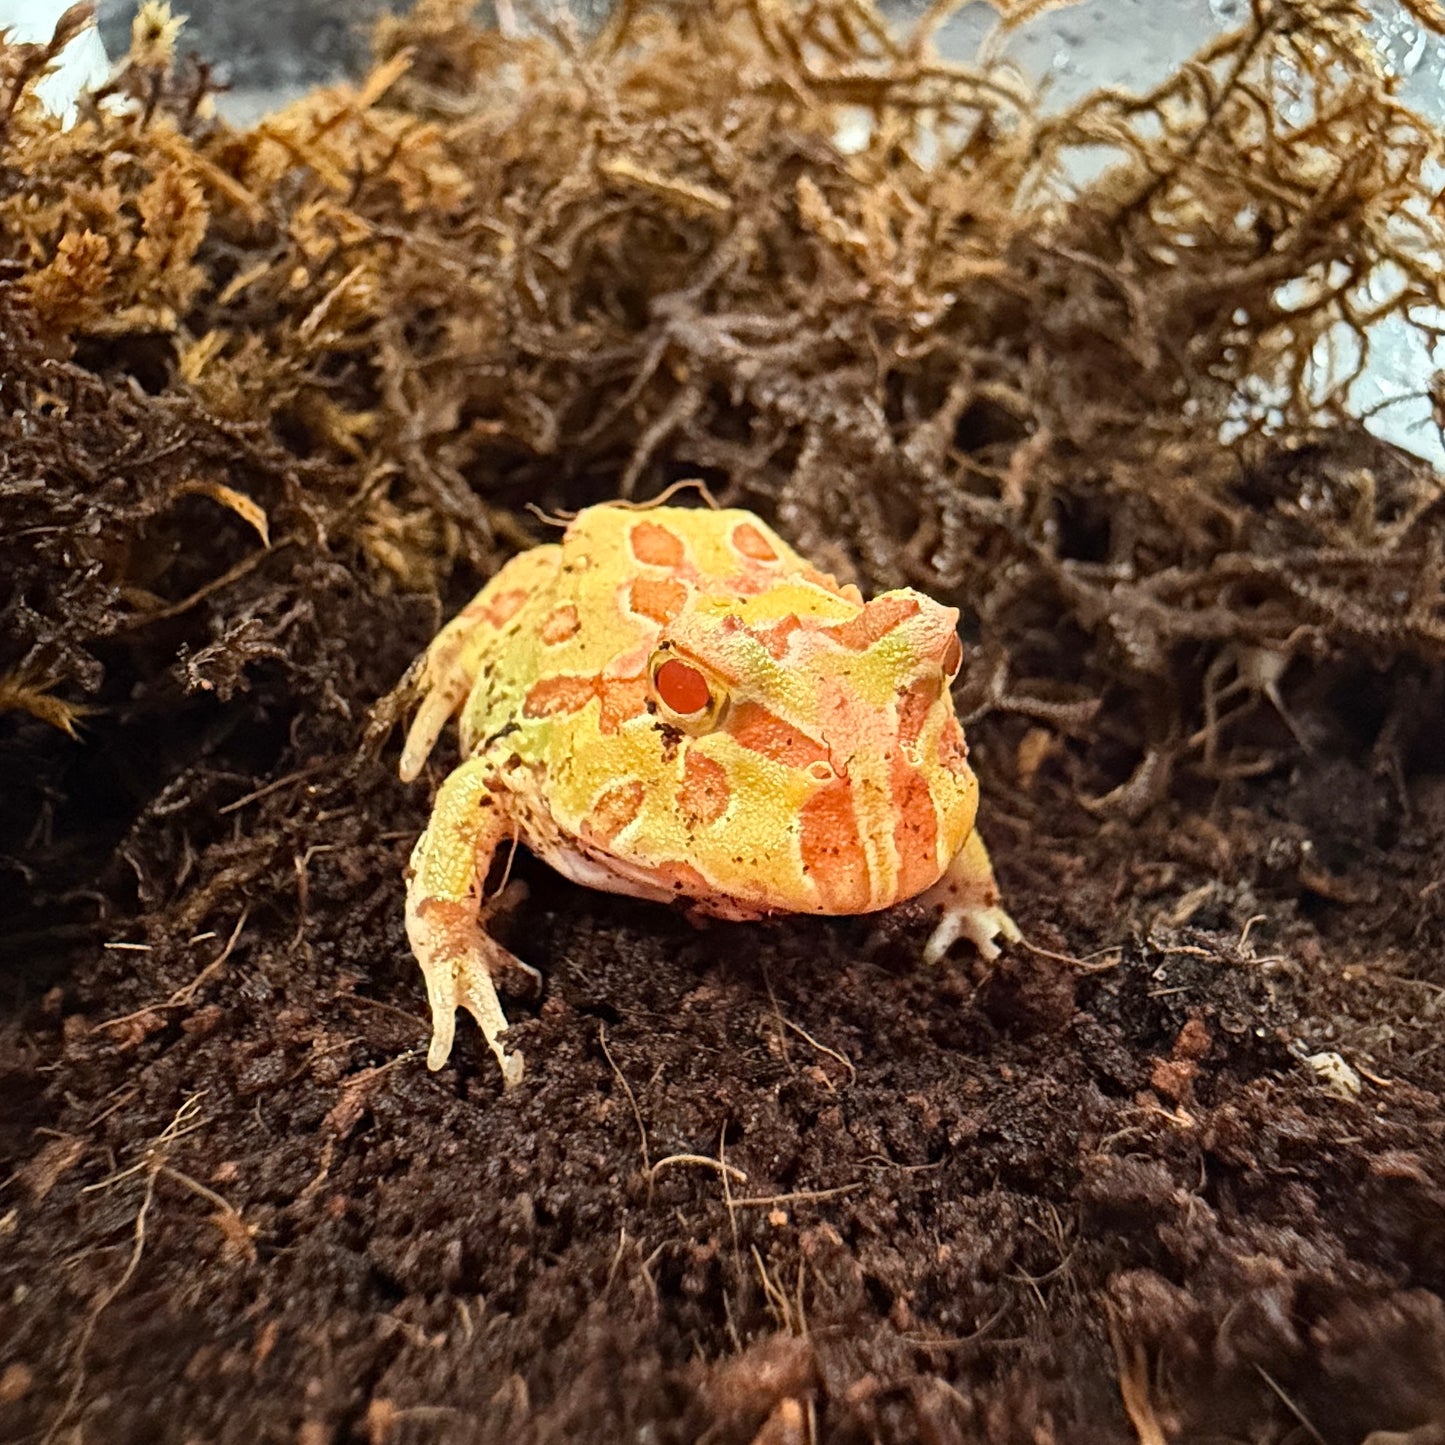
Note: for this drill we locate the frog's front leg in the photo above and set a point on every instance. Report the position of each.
(446, 916)
(969, 899)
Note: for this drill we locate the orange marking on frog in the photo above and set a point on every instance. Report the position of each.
(913, 706)
(660, 599)
(915, 827)
(553, 695)
(751, 543)
(752, 726)
(825, 580)
(952, 750)
(561, 625)
(683, 878)
(832, 849)
(829, 583)
(877, 619)
(655, 545)
(704, 793)
(501, 609)
(775, 637)
(614, 810)
(621, 698)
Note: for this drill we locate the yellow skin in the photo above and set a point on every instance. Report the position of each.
(672, 703)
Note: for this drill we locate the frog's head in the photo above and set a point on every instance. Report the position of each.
(828, 765)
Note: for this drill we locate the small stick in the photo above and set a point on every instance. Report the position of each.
(631, 1099)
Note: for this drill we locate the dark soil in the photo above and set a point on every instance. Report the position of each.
(1173, 1171)
(973, 1203)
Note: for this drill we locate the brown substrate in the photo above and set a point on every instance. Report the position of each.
(275, 402)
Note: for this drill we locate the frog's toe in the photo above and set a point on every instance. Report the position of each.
(981, 924)
(467, 983)
(458, 961)
(426, 727)
(968, 899)
(478, 995)
(441, 989)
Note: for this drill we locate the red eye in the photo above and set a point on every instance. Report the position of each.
(682, 688)
(952, 657)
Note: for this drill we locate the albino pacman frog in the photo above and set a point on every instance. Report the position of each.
(671, 703)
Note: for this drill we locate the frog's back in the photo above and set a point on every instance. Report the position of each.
(722, 544)
(625, 573)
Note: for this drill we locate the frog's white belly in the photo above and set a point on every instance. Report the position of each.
(635, 880)
(610, 875)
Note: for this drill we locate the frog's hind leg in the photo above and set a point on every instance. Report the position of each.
(969, 899)
(446, 916)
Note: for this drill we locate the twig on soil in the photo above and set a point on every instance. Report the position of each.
(119, 1099)
(153, 1163)
(798, 1196)
(822, 1048)
(343, 1115)
(1290, 1405)
(727, 1188)
(242, 569)
(616, 1258)
(1058, 1236)
(1111, 956)
(631, 1097)
(300, 862)
(701, 1159)
(1248, 925)
(645, 1266)
(803, 1034)
(228, 1219)
(956, 1342)
(790, 1313)
(1134, 1385)
(183, 1122)
(184, 995)
(88, 1329)
(275, 785)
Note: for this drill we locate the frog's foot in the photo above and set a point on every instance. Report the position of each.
(969, 900)
(446, 920)
(458, 960)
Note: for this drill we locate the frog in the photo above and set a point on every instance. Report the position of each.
(671, 703)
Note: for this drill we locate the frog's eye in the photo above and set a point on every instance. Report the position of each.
(685, 694)
(952, 657)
